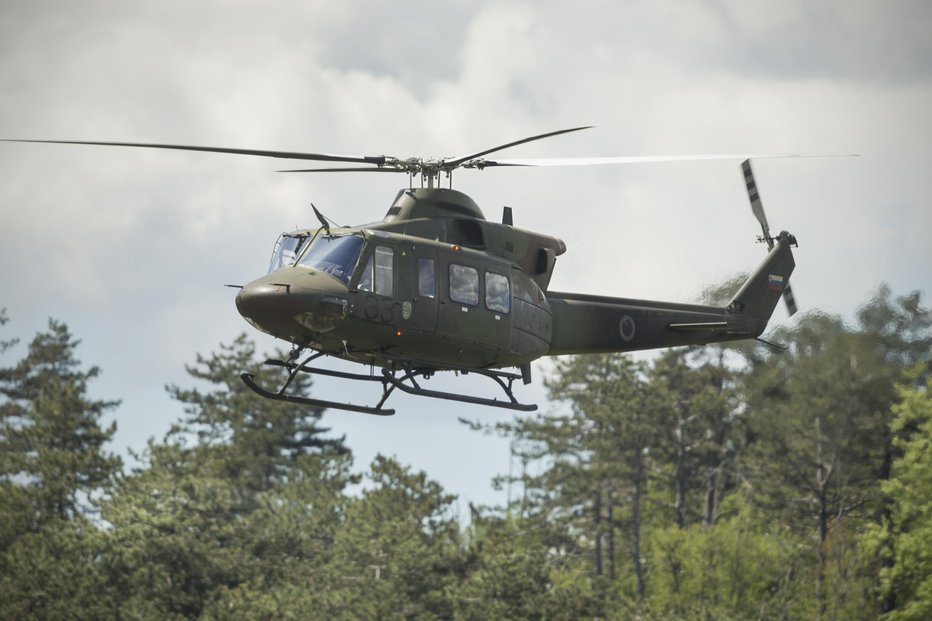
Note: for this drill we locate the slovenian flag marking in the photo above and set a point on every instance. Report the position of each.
(775, 282)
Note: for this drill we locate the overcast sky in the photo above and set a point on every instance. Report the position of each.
(131, 248)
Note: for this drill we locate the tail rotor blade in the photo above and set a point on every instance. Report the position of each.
(756, 206)
(789, 299)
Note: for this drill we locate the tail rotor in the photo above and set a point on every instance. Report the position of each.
(758, 209)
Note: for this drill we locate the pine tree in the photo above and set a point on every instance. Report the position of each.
(4, 345)
(698, 403)
(818, 419)
(910, 492)
(234, 508)
(52, 464)
(594, 464)
(263, 438)
(396, 554)
(51, 439)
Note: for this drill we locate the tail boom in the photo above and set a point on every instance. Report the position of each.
(596, 324)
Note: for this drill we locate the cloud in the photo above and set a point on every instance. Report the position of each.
(131, 247)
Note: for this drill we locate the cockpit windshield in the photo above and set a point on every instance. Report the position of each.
(335, 255)
(286, 249)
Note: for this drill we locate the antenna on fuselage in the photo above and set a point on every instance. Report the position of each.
(322, 219)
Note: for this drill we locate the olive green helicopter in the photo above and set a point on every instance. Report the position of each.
(435, 286)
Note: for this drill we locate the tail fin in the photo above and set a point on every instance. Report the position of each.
(760, 294)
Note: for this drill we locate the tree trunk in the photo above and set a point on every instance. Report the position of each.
(611, 534)
(822, 474)
(636, 525)
(679, 476)
(711, 485)
(597, 511)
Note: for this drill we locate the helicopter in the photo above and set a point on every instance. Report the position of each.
(437, 287)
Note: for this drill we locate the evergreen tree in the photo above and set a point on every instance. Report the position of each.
(741, 567)
(4, 345)
(238, 498)
(51, 439)
(55, 572)
(698, 411)
(595, 464)
(819, 444)
(900, 330)
(908, 528)
(264, 438)
(396, 554)
(52, 462)
(177, 533)
(522, 568)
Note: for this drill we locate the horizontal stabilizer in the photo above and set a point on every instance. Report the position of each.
(707, 325)
(718, 327)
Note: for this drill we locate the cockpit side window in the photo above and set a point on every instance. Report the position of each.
(286, 251)
(334, 255)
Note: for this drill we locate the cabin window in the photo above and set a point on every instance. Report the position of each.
(497, 293)
(426, 278)
(334, 255)
(377, 276)
(464, 284)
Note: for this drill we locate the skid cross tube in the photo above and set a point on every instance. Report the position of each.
(404, 379)
(294, 369)
(499, 377)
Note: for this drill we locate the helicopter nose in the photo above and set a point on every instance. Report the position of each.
(292, 304)
(258, 300)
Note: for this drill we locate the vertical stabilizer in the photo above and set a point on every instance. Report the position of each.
(760, 294)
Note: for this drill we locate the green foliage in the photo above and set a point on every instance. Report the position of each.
(177, 532)
(52, 463)
(909, 529)
(5, 344)
(709, 483)
(900, 330)
(256, 496)
(264, 438)
(741, 567)
(512, 573)
(55, 573)
(51, 441)
(396, 552)
(818, 424)
(697, 409)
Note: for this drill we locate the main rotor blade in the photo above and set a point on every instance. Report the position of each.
(454, 163)
(377, 160)
(636, 159)
(359, 169)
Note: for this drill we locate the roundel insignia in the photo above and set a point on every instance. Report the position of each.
(626, 328)
(406, 310)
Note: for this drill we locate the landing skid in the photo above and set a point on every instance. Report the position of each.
(404, 379)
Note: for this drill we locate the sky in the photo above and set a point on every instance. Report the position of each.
(131, 248)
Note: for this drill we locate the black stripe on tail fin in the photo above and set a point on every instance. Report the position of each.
(759, 295)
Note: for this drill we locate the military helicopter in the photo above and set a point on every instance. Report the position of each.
(435, 286)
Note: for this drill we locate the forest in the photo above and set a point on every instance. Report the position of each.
(717, 482)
